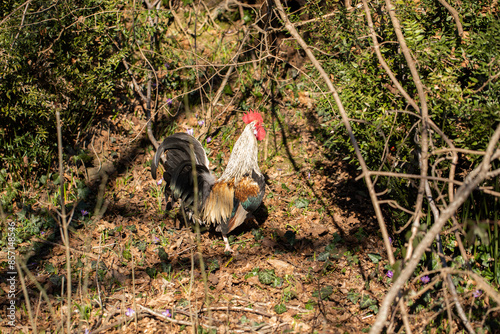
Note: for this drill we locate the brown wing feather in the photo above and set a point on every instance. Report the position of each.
(247, 187)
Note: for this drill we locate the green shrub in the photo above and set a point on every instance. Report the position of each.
(58, 57)
(453, 72)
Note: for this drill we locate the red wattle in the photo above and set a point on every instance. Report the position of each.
(261, 133)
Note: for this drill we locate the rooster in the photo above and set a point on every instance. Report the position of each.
(225, 202)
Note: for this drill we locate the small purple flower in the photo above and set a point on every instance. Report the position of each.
(209, 139)
(42, 233)
(425, 279)
(167, 66)
(308, 175)
(169, 101)
(196, 115)
(84, 212)
(156, 240)
(190, 131)
(477, 293)
(129, 312)
(200, 123)
(390, 274)
(390, 240)
(87, 331)
(166, 314)
(160, 181)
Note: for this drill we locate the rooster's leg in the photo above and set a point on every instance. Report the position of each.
(226, 242)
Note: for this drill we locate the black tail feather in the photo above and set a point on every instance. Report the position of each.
(182, 183)
(179, 149)
(178, 167)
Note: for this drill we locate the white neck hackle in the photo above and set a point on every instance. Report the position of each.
(244, 157)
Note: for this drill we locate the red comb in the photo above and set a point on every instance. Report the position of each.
(253, 116)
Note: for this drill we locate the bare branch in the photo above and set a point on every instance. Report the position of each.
(462, 194)
(424, 136)
(382, 61)
(453, 13)
(450, 284)
(345, 119)
(493, 78)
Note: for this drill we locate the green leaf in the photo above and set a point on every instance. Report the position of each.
(141, 246)
(336, 239)
(288, 293)
(257, 234)
(56, 280)
(213, 265)
(247, 17)
(366, 301)
(49, 267)
(285, 187)
(353, 296)
(254, 272)
(375, 258)
(280, 308)
(132, 228)
(301, 203)
(269, 278)
(151, 272)
(183, 302)
(323, 256)
(310, 305)
(166, 267)
(324, 292)
(126, 254)
(227, 90)
(162, 254)
(290, 237)
(266, 276)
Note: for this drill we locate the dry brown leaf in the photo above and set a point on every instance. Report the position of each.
(281, 267)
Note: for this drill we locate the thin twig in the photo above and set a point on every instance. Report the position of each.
(26, 295)
(175, 321)
(450, 284)
(430, 178)
(236, 309)
(462, 194)
(494, 77)
(64, 222)
(71, 249)
(226, 77)
(21, 25)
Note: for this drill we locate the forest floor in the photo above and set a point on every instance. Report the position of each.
(311, 261)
